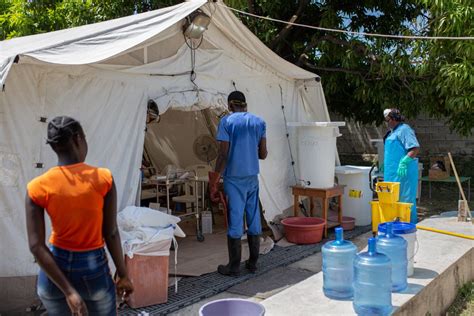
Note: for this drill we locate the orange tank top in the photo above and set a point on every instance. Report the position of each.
(73, 197)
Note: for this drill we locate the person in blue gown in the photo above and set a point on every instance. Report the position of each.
(400, 158)
(242, 143)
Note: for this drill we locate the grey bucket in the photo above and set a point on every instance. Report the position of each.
(232, 307)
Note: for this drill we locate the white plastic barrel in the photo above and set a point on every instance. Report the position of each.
(316, 148)
(380, 150)
(411, 239)
(357, 193)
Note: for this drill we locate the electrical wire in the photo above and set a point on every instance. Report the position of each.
(413, 37)
(288, 136)
(193, 48)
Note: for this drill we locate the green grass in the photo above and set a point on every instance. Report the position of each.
(463, 305)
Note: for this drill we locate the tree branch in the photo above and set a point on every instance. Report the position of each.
(275, 44)
(312, 67)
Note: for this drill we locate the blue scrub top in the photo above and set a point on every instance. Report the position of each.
(243, 131)
(397, 144)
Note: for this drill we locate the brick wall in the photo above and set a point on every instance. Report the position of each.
(434, 136)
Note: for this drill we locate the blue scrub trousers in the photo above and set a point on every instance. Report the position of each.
(242, 196)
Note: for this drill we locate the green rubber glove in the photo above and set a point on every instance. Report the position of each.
(403, 166)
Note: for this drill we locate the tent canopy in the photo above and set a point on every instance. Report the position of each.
(104, 74)
(94, 43)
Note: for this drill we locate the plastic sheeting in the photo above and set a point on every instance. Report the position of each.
(147, 232)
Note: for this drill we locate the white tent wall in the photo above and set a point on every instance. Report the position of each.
(113, 116)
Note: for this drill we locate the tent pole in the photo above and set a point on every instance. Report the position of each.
(207, 116)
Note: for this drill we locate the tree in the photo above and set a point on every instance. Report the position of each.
(26, 17)
(360, 75)
(449, 64)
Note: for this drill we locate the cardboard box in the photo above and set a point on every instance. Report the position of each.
(437, 174)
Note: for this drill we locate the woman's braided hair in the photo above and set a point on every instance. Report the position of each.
(61, 129)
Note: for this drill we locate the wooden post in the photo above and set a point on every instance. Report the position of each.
(295, 205)
(460, 186)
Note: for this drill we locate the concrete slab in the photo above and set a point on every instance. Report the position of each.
(443, 263)
(270, 283)
(16, 294)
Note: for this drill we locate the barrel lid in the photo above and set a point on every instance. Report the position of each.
(399, 228)
(317, 124)
(348, 169)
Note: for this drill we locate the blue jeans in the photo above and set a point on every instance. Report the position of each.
(242, 197)
(89, 274)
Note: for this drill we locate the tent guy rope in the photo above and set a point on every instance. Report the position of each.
(412, 37)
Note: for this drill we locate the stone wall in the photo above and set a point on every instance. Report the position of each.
(435, 138)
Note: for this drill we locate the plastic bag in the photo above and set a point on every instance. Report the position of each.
(147, 232)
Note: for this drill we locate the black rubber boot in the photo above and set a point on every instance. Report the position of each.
(254, 249)
(234, 247)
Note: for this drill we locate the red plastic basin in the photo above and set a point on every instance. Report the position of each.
(348, 223)
(304, 230)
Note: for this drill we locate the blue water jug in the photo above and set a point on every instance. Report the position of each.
(338, 268)
(372, 282)
(395, 248)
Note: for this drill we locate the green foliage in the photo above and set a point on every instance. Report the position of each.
(463, 304)
(361, 75)
(449, 64)
(22, 17)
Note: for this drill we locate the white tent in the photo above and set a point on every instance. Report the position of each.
(104, 74)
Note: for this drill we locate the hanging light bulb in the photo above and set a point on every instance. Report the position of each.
(197, 24)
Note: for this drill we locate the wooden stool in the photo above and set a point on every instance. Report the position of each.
(325, 195)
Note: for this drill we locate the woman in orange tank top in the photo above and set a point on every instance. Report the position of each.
(81, 202)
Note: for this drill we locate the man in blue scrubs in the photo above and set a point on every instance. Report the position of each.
(400, 162)
(242, 142)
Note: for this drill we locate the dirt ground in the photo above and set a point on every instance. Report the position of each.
(444, 197)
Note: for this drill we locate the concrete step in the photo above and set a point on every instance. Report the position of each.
(443, 264)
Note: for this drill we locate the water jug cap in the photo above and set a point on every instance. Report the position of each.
(389, 230)
(339, 235)
(372, 246)
(339, 242)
